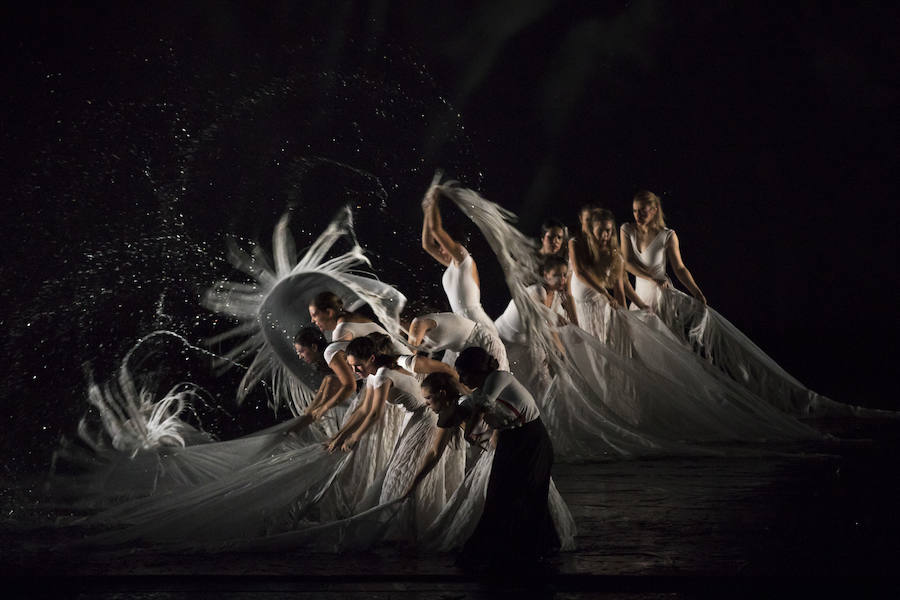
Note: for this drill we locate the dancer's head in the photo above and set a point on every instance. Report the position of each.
(369, 353)
(584, 216)
(553, 236)
(474, 364)
(555, 272)
(647, 210)
(325, 309)
(603, 228)
(440, 391)
(309, 344)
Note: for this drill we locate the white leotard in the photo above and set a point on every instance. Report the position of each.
(653, 259)
(463, 293)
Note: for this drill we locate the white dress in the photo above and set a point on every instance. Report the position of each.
(722, 344)
(464, 294)
(456, 333)
(644, 378)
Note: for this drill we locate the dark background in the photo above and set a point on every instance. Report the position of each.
(135, 140)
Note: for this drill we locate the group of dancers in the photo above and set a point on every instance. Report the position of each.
(441, 428)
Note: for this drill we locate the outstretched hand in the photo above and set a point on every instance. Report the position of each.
(350, 444)
(332, 444)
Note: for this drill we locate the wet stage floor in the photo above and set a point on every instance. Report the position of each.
(662, 528)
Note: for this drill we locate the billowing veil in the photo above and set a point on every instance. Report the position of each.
(609, 402)
(264, 483)
(718, 341)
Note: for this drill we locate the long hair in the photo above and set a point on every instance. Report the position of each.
(375, 344)
(648, 197)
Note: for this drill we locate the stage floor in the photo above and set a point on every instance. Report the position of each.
(711, 527)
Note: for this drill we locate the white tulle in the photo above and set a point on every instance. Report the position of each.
(641, 383)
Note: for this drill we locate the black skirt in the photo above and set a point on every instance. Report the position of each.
(515, 526)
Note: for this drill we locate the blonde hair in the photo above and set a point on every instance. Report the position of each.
(606, 258)
(648, 197)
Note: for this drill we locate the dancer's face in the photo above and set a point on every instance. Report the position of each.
(323, 319)
(603, 231)
(555, 279)
(361, 367)
(552, 241)
(643, 212)
(436, 400)
(308, 354)
(584, 218)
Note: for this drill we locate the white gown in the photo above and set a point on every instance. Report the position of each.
(722, 344)
(646, 380)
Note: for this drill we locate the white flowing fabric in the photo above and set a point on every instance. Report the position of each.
(722, 344)
(699, 403)
(647, 384)
(460, 516)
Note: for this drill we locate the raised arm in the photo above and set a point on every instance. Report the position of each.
(439, 441)
(673, 252)
(424, 365)
(434, 237)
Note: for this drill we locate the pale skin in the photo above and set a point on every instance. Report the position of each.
(552, 243)
(556, 281)
(436, 241)
(436, 401)
(334, 389)
(552, 240)
(583, 264)
(369, 411)
(328, 319)
(645, 232)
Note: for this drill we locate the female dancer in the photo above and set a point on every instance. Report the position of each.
(554, 238)
(460, 280)
(647, 246)
(387, 383)
(434, 332)
(527, 363)
(644, 377)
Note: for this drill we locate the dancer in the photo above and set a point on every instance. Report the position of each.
(338, 383)
(460, 280)
(648, 246)
(386, 383)
(554, 238)
(527, 363)
(515, 527)
(645, 379)
(434, 332)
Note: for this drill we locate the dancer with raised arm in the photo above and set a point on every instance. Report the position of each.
(460, 280)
